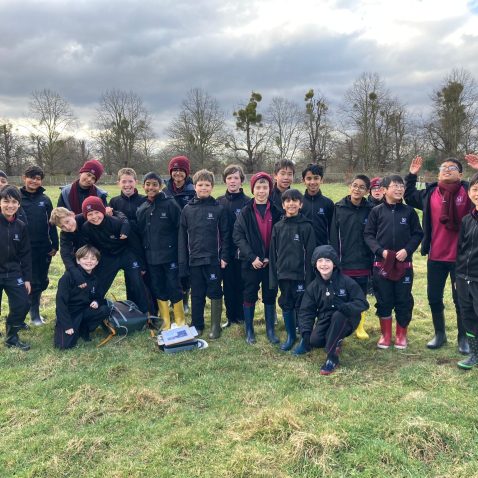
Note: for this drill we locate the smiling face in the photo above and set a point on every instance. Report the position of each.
(68, 224)
(358, 189)
(261, 191)
(312, 183)
(394, 192)
(87, 180)
(95, 217)
(233, 182)
(325, 267)
(473, 193)
(203, 189)
(179, 177)
(449, 172)
(151, 188)
(9, 207)
(284, 178)
(127, 184)
(32, 183)
(88, 262)
(291, 207)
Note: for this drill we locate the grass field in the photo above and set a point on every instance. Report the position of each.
(235, 410)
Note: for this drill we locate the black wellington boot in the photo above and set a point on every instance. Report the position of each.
(12, 339)
(249, 323)
(439, 325)
(472, 359)
(270, 323)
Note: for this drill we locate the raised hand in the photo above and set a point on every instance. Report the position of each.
(416, 165)
(472, 160)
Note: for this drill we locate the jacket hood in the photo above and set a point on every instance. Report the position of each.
(326, 252)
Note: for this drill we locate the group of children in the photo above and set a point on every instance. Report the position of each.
(318, 256)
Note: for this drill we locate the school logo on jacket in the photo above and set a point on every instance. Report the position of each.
(20, 281)
(459, 200)
(237, 211)
(93, 290)
(173, 266)
(41, 204)
(300, 288)
(407, 280)
(341, 293)
(210, 215)
(296, 237)
(163, 215)
(213, 277)
(321, 211)
(403, 221)
(135, 265)
(16, 237)
(365, 221)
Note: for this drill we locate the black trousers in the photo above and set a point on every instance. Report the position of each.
(233, 291)
(291, 293)
(437, 274)
(165, 284)
(83, 324)
(40, 265)
(252, 280)
(362, 281)
(467, 293)
(18, 300)
(109, 267)
(205, 282)
(396, 295)
(330, 328)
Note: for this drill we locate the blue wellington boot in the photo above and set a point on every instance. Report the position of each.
(289, 321)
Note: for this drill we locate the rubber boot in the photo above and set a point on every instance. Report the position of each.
(216, 313)
(270, 323)
(400, 337)
(386, 329)
(12, 339)
(289, 322)
(439, 340)
(360, 331)
(163, 307)
(472, 359)
(249, 323)
(463, 345)
(35, 316)
(178, 310)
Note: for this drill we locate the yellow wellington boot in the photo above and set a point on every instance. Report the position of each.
(360, 331)
(164, 311)
(178, 309)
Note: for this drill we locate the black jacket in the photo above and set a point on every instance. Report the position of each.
(319, 209)
(374, 202)
(346, 234)
(15, 253)
(292, 245)
(185, 195)
(106, 236)
(467, 253)
(246, 235)
(158, 226)
(276, 198)
(393, 227)
(70, 242)
(37, 208)
(322, 298)
(72, 300)
(420, 199)
(128, 205)
(203, 234)
(233, 204)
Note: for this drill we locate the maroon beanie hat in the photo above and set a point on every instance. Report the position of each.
(180, 162)
(92, 203)
(261, 175)
(94, 167)
(375, 183)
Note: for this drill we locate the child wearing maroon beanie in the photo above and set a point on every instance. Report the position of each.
(252, 236)
(73, 195)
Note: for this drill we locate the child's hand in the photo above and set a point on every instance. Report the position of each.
(472, 160)
(401, 255)
(385, 254)
(52, 252)
(257, 264)
(123, 236)
(28, 286)
(223, 264)
(109, 211)
(94, 305)
(82, 286)
(416, 165)
(70, 331)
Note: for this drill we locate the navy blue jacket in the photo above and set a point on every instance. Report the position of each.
(185, 195)
(319, 209)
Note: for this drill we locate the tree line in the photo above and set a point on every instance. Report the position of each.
(371, 130)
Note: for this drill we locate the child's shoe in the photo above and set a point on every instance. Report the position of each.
(386, 337)
(400, 337)
(329, 366)
(472, 359)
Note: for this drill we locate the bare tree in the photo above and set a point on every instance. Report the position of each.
(286, 127)
(198, 130)
(12, 150)
(53, 118)
(452, 127)
(124, 123)
(250, 139)
(317, 126)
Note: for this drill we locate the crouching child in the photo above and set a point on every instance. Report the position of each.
(336, 300)
(79, 309)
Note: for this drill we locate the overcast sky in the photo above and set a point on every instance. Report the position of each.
(161, 49)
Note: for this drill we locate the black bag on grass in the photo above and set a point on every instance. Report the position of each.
(125, 318)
